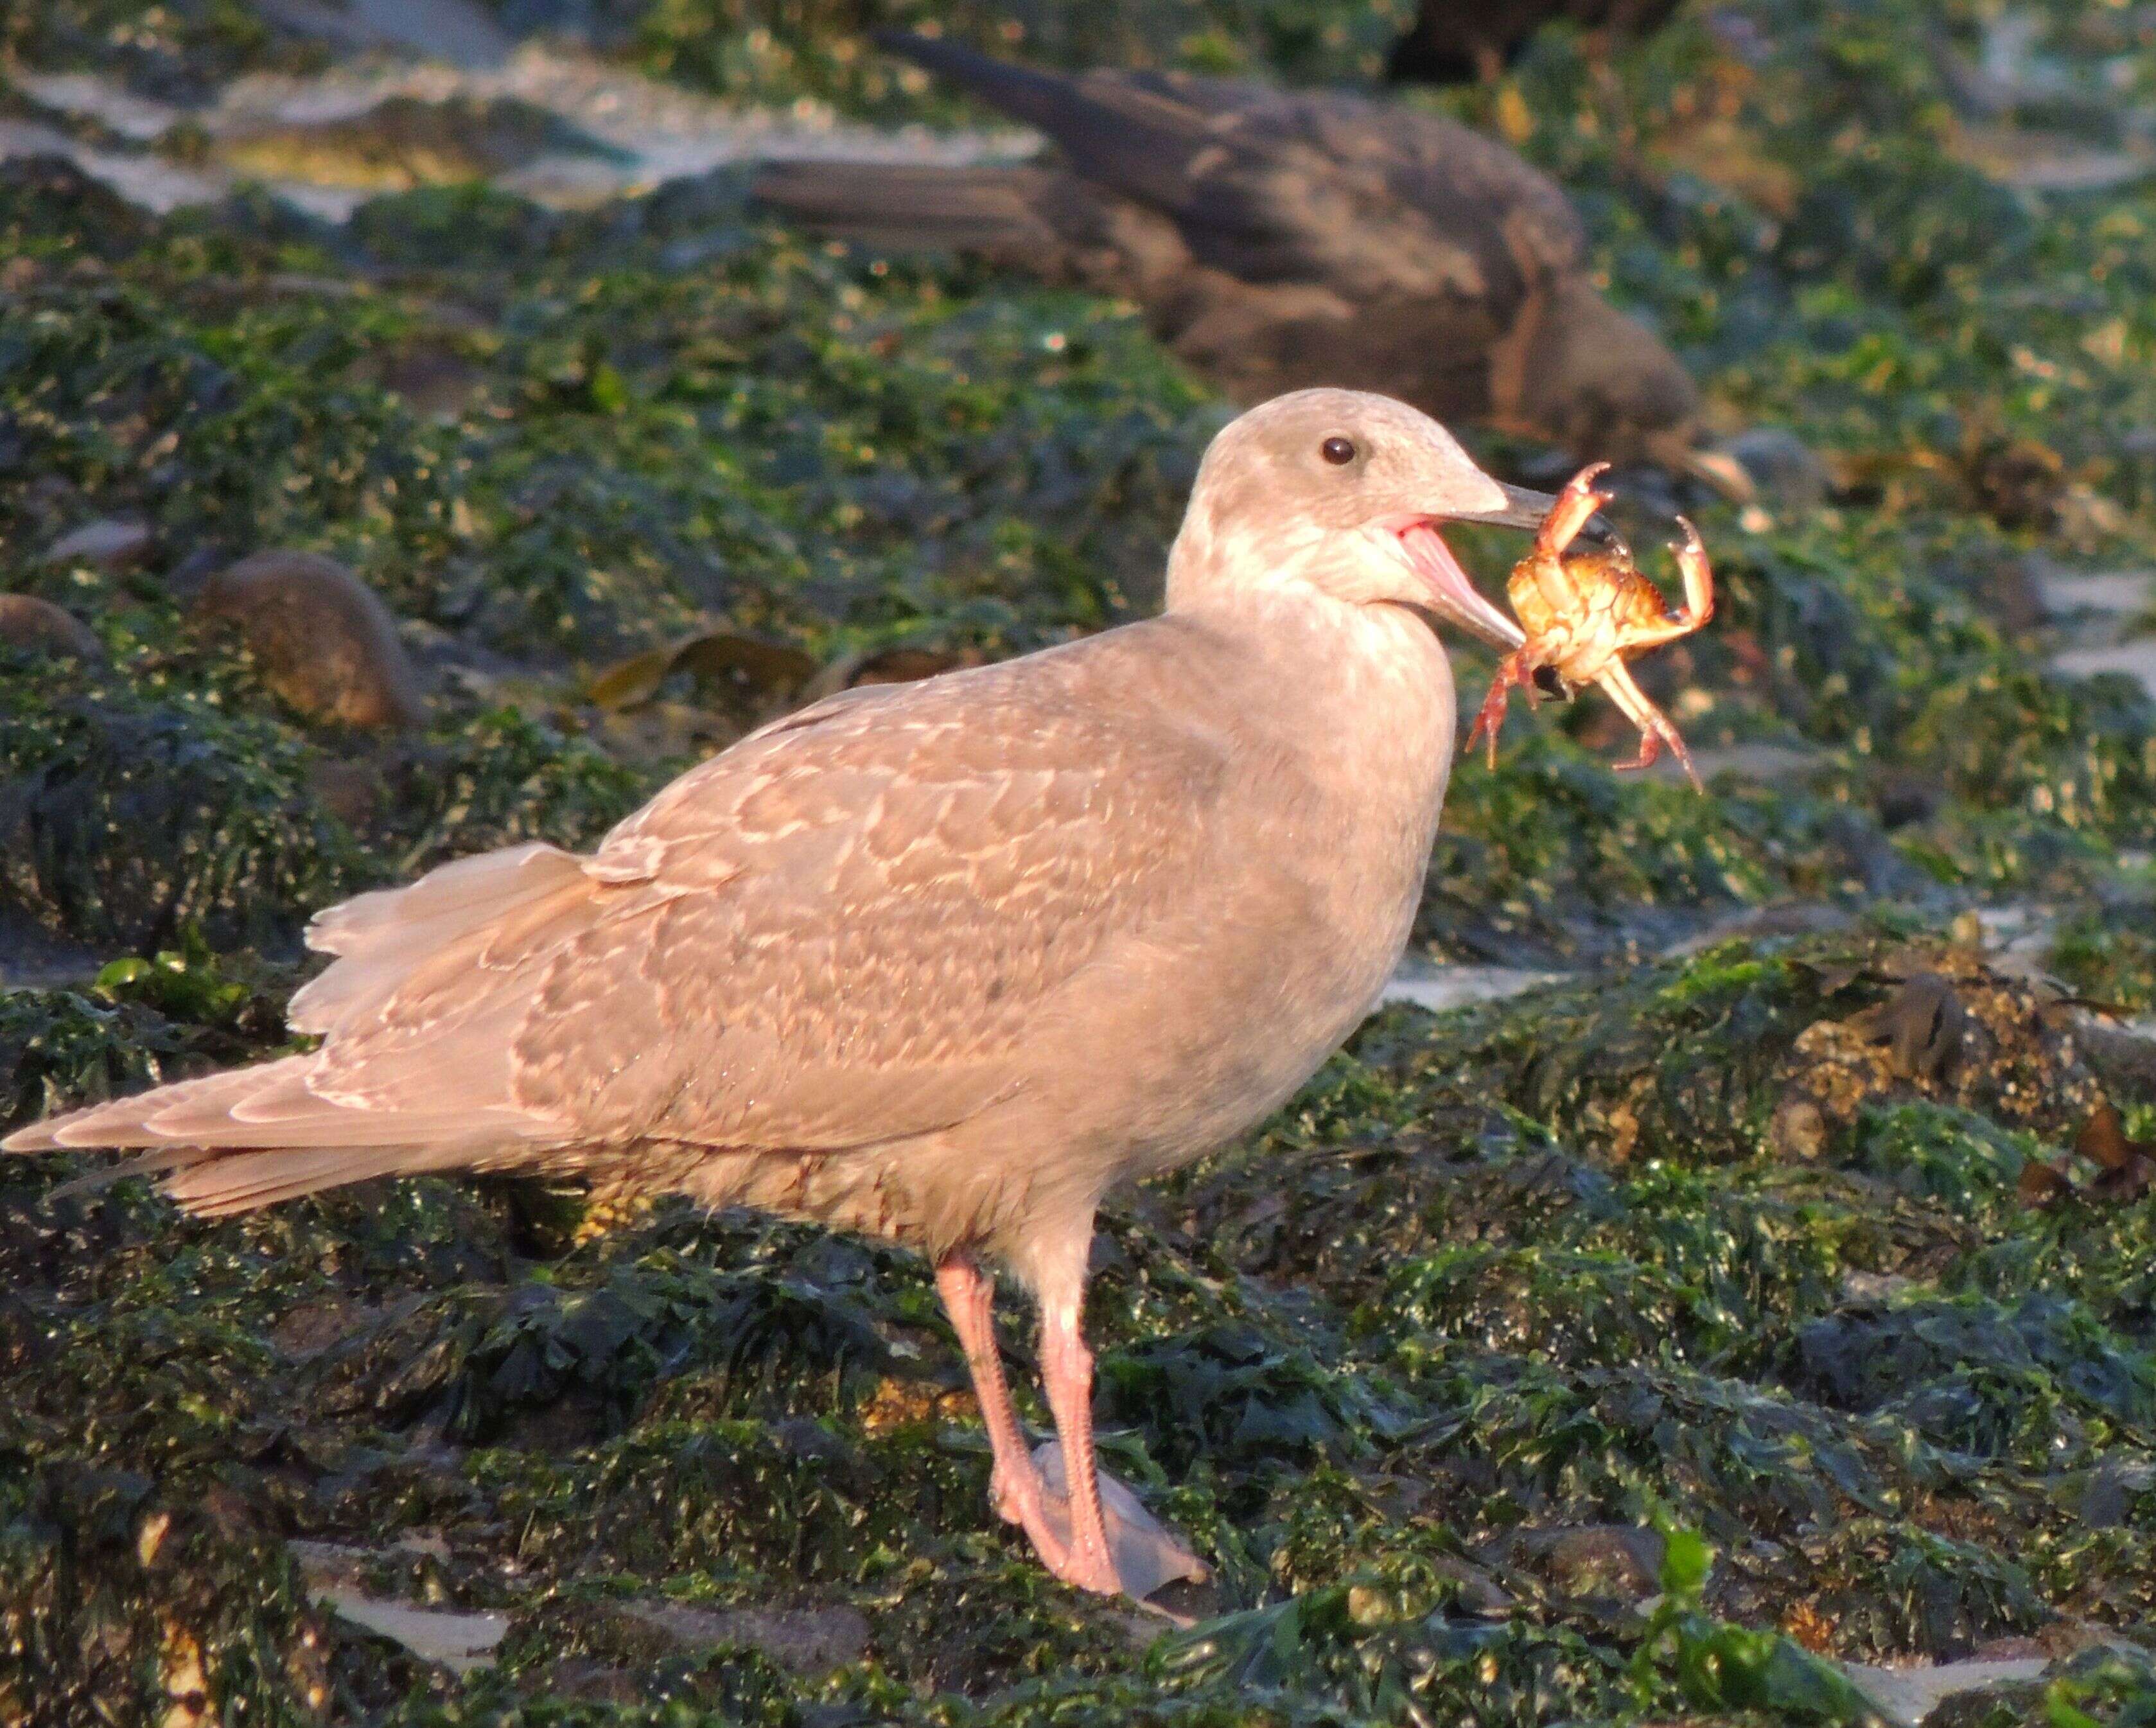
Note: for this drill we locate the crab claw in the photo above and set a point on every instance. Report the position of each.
(1574, 505)
(1691, 555)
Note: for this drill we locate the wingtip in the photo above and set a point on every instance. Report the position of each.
(38, 1137)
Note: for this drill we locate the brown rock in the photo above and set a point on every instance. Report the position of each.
(324, 642)
(27, 622)
(1943, 1026)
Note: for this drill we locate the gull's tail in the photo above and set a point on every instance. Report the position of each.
(423, 1091)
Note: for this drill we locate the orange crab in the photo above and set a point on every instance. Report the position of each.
(1586, 614)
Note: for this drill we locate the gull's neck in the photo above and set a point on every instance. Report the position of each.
(1211, 567)
(1366, 685)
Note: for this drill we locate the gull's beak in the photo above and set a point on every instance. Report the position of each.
(1522, 509)
(1451, 595)
(1722, 471)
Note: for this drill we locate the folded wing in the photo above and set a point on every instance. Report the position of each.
(835, 934)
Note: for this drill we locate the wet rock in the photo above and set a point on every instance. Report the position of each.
(1614, 1561)
(110, 545)
(452, 30)
(1921, 1693)
(324, 642)
(1943, 1026)
(29, 623)
(2135, 660)
(406, 141)
(805, 1641)
(1438, 988)
(2105, 598)
(460, 1642)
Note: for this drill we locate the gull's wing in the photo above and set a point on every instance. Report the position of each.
(835, 934)
(1375, 200)
(861, 911)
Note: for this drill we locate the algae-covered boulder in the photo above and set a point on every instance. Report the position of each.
(126, 816)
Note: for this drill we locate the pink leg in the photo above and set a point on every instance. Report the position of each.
(1066, 1368)
(1097, 1536)
(1014, 1485)
(1116, 1545)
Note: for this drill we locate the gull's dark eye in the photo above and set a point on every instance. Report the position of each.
(1338, 451)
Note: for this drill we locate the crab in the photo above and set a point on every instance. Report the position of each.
(1584, 615)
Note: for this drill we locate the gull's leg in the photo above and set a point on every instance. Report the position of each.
(1015, 1488)
(1115, 1545)
(1655, 728)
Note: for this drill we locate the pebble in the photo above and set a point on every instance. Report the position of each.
(111, 544)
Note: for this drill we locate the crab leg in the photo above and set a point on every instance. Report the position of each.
(1698, 576)
(1699, 596)
(1655, 728)
(1511, 671)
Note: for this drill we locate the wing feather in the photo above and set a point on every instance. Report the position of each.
(837, 934)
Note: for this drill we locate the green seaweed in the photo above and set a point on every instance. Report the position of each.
(1541, 1360)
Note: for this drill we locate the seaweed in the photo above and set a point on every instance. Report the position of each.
(1636, 1348)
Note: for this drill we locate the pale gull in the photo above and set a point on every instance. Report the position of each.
(942, 962)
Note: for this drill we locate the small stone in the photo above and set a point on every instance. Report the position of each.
(111, 544)
(27, 622)
(1617, 1562)
(1799, 1130)
(323, 641)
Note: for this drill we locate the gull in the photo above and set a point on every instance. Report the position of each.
(1275, 238)
(943, 961)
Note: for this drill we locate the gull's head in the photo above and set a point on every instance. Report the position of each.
(1343, 495)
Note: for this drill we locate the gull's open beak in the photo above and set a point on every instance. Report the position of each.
(1452, 596)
